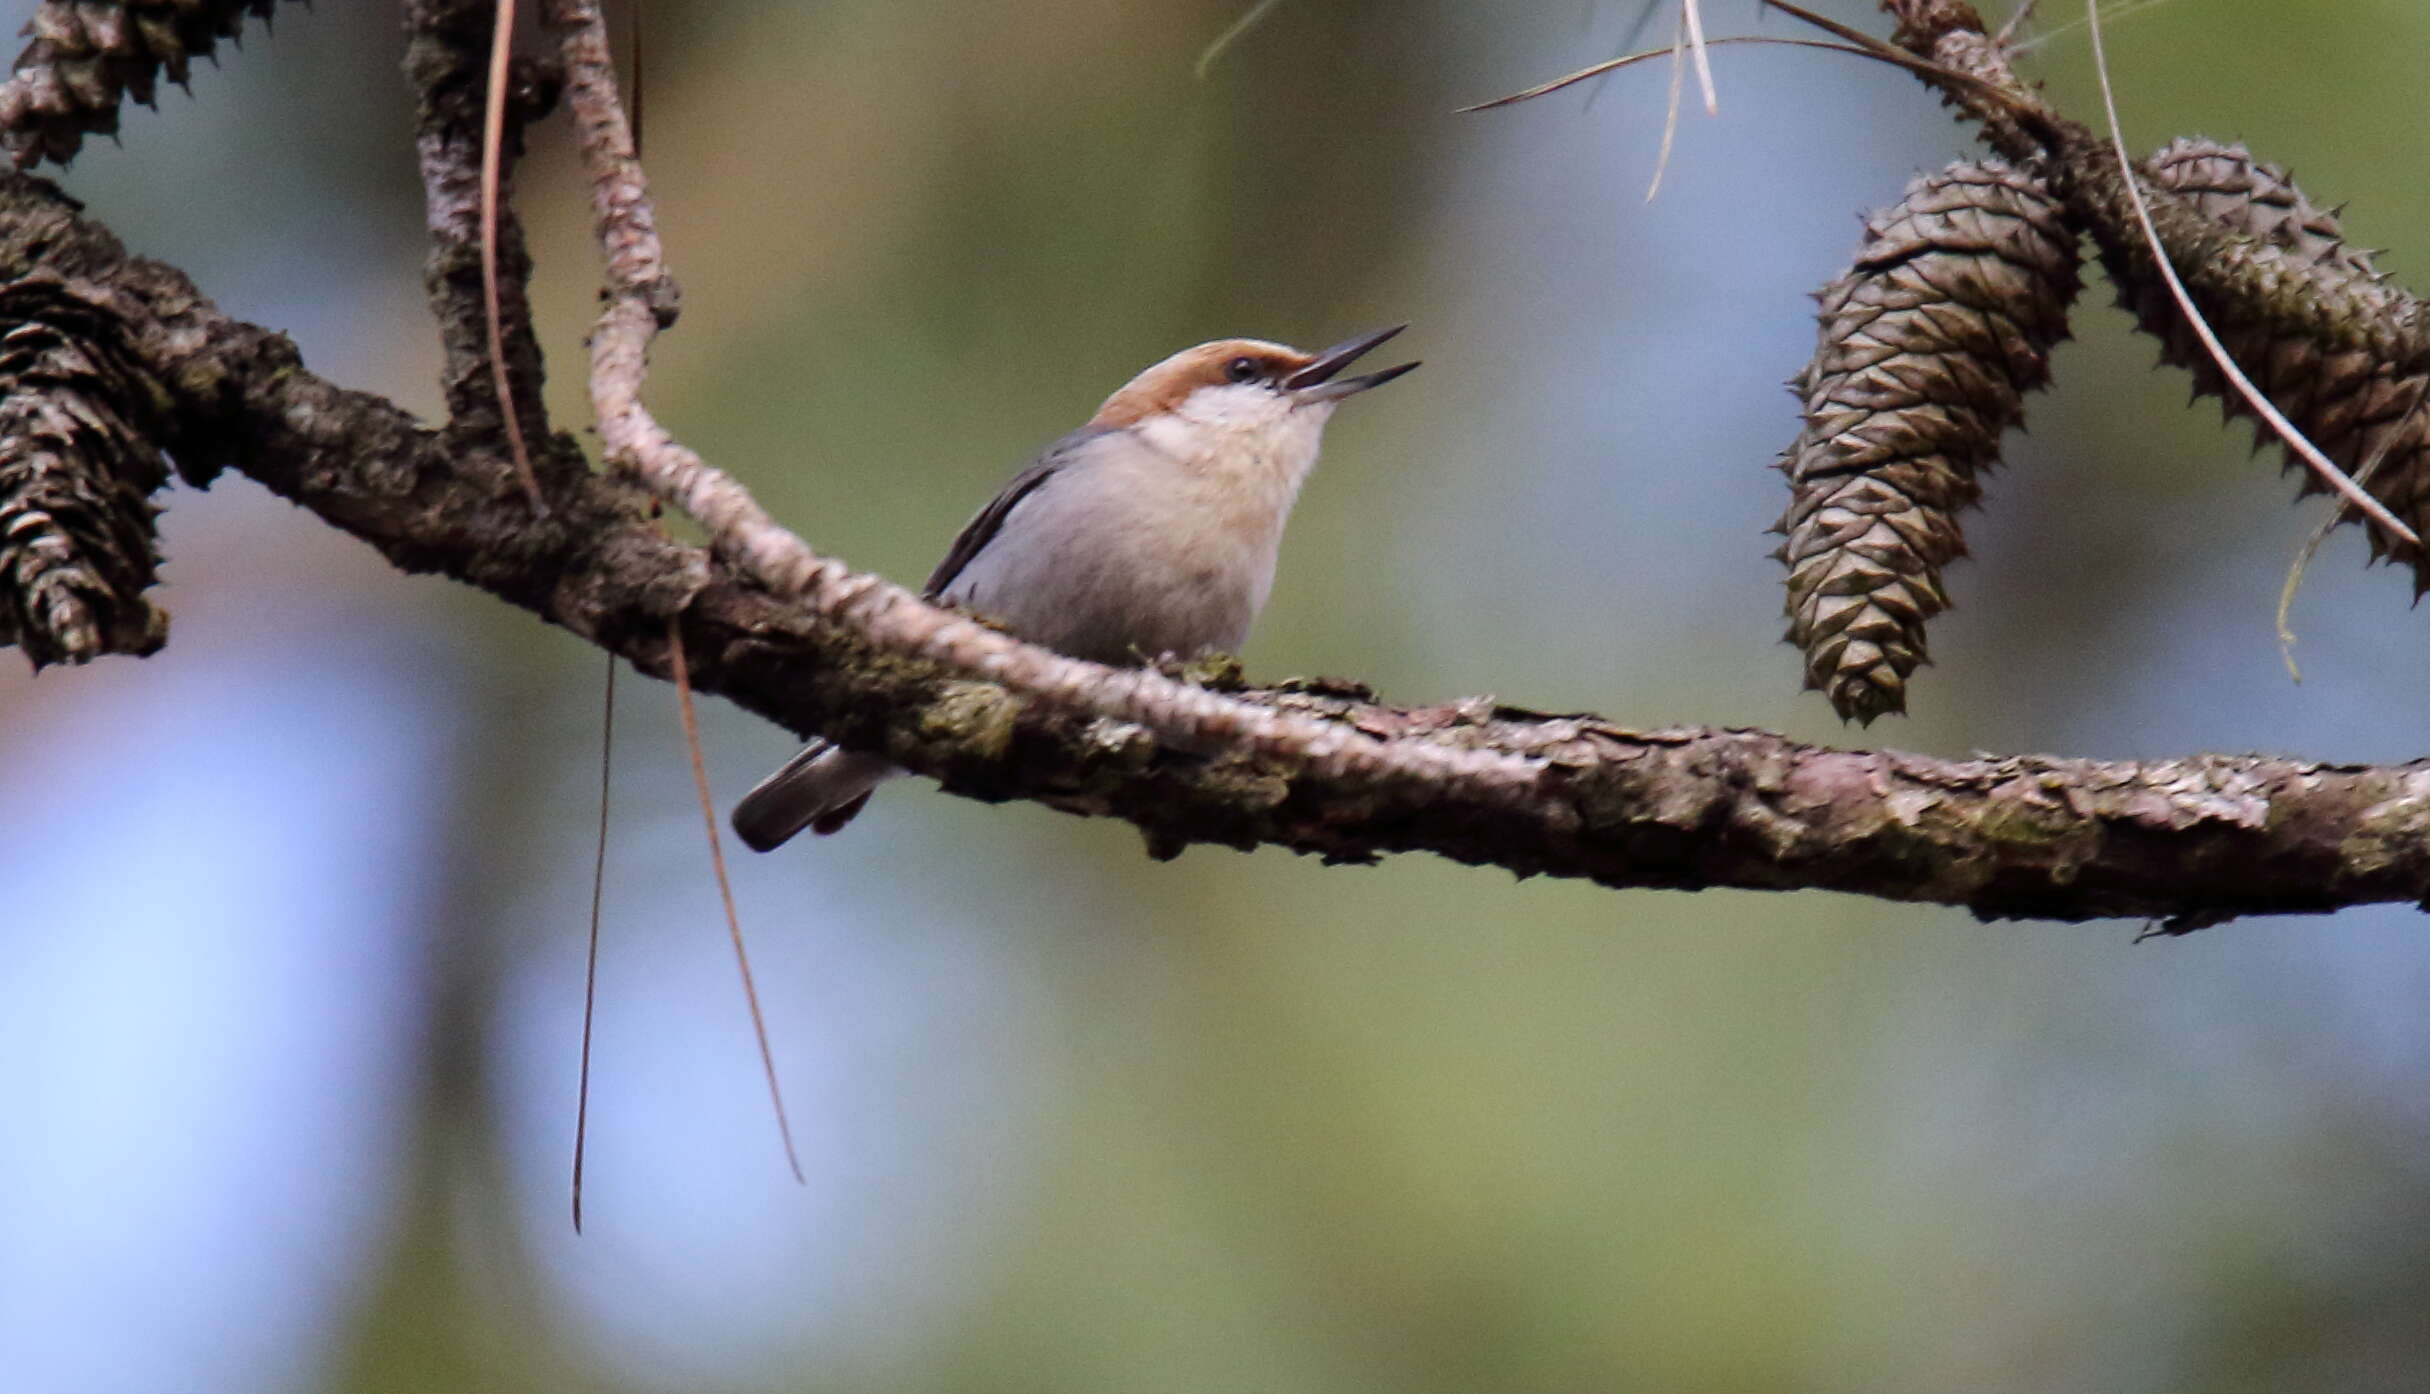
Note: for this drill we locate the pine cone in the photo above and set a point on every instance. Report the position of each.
(88, 54)
(2356, 402)
(1927, 347)
(2232, 188)
(77, 469)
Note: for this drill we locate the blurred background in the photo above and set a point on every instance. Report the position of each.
(291, 952)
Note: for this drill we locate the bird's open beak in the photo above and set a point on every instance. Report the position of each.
(1317, 383)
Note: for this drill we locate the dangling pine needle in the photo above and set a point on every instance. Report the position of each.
(2262, 406)
(1670, 114)
(2320, 533)
(725, 889)
(590, 962)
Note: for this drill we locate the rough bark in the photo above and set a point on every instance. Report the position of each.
(2187, 841)
(1323, 769)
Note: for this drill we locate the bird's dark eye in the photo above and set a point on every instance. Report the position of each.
(1242, 370)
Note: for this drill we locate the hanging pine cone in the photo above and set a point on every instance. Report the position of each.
(2232, 188)
(86, 55)
(2351, 399)
(1927, 347)
(77, 469)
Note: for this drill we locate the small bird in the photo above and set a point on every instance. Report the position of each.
(1151, 530)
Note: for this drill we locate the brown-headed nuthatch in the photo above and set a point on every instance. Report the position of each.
(1152, 530)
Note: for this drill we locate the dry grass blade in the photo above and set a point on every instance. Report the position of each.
(2262, 406)
(590, 962)
(725, 888)
(493, 142)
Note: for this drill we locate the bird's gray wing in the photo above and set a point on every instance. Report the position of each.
(983, 529)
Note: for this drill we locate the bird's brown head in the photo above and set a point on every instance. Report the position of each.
(1255, 364)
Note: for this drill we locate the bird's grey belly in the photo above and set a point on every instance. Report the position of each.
(1110, 602)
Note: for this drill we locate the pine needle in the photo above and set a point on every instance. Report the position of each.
(493, 143)
(1627, 60)
(2320, 533)
(1852, 41)
(1628, 39)
(1670, 113)
(1693, 12)
(2122, 12)
(590, 962)
(1254, 16)
(725, 889)
(2262, 406)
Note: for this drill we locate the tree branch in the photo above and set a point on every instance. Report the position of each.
(2189, 841)
(1320, 769)
(447, 59)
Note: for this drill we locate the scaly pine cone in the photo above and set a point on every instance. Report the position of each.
(1927, 347)
(77, 469)
(2232, 188)
(87, 55)
(2364, 411)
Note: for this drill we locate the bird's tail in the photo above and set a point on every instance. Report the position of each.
(819, 789)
